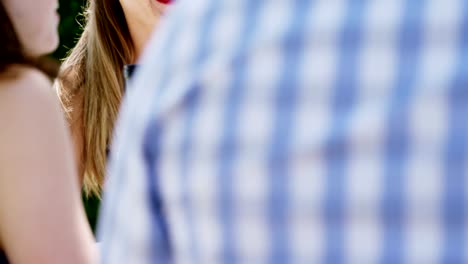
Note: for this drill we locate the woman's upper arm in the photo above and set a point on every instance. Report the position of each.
(41, 216)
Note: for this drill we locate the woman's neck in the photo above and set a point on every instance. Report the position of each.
(140, 36)
(141, 21)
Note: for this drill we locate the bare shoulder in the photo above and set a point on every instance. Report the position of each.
(27, 80)
(29, 107)
(28, 91)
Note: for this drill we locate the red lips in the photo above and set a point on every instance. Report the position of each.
(164, 1)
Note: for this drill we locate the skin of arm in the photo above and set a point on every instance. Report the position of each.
(42, 219)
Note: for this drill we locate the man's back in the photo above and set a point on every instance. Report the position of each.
(296, 131)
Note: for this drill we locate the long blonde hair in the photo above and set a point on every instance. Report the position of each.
(93, 70)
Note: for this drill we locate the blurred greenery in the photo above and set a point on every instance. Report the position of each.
(92, 208)
(70, 30)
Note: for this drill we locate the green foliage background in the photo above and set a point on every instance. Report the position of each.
(70, 30)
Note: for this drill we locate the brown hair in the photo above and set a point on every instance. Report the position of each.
(93, 71)
(11, 50)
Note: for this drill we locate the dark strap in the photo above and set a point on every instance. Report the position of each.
(128, 72)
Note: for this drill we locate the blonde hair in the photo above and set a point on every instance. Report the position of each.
(93, 70)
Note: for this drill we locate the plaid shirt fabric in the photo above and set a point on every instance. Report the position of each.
(281, 131)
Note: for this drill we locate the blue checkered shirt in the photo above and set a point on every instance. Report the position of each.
(295, 131)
